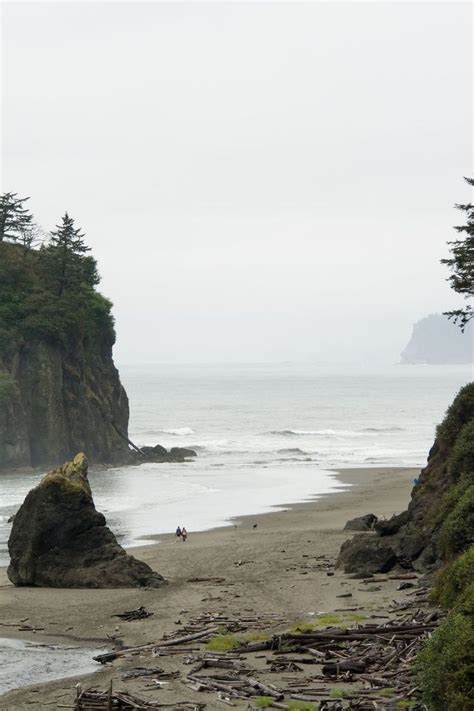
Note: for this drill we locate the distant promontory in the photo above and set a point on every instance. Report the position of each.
(438, 341)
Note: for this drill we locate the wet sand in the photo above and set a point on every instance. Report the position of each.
(274, 564)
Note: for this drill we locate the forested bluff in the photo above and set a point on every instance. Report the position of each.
(60, 391)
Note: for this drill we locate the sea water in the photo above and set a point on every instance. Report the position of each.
(265, 435)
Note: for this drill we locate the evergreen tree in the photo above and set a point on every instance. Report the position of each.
(15, 219)
(462, 264)
(68, 266)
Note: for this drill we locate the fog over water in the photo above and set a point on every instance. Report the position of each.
(259, 181)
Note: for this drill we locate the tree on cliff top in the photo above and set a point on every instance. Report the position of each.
(15, 220)
(462, 264)
(68, 266)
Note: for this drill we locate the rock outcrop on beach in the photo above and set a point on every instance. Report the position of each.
(439, 521)
(438, 341)
(59, 539)
(160, 454)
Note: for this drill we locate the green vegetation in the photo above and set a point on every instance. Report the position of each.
(461, 263)
(461, 458)
(223, 643)
(446, 665)
(48, 293)
(459, 414)
(301, 706)
(403, 704)
(454, 580)
(339, 693)
(457, 531)
(386, 693)
(263, 702)
(328, 619)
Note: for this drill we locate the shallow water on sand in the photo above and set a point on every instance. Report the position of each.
(24, 663)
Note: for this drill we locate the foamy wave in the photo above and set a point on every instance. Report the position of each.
(317, 433)
(179, 431)
(292, 450)
(336, 433)
(383, 429)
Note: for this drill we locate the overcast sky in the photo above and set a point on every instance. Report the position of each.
(258, 182)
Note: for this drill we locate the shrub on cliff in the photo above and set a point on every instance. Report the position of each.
(454, 579)
(459, 414)
(446, 665)
(457, 531)
(461, 459)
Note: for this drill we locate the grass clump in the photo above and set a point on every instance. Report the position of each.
(263, 702)
(457, 531)
(301, 706)
(403, 704)
(223, 643)
(329, 619)
(386, 692)
(339, 694)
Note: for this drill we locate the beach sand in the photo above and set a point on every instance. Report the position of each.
(277, 568)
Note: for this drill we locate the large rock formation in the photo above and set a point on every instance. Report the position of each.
(437, 340)
(60, 391)
(58, 539)
(438, 521)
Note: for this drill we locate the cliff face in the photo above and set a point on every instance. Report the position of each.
(437, 341)
(60, 392)
(63, 401)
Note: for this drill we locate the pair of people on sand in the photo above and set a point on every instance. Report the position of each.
(181, 533)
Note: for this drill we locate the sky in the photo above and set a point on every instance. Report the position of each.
(258, 181)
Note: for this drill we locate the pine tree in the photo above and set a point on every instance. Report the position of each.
(15, 219)
(462, 264)
(68, 267)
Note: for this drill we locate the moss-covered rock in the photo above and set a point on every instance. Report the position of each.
(59, 539)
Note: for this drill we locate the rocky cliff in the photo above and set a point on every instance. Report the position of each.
(438, 341)
(60, 391)
(439, 522)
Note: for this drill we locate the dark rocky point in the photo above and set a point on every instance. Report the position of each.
(59, 539)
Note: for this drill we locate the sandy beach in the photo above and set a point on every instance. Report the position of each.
(274, 564)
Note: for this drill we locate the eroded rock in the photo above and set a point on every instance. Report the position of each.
(59, 539)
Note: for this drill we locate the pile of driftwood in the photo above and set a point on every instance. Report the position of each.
(92, 700)
(369, 666)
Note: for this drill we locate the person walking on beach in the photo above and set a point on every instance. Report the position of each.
(184, 534)
(179, 532)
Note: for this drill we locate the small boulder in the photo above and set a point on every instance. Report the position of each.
(366, 554)
(59, 539)
(361, 523)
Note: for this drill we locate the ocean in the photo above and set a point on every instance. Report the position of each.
(265, 435)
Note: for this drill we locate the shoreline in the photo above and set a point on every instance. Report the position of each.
(261, 559)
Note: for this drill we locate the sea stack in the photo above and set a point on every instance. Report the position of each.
(59, 539)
